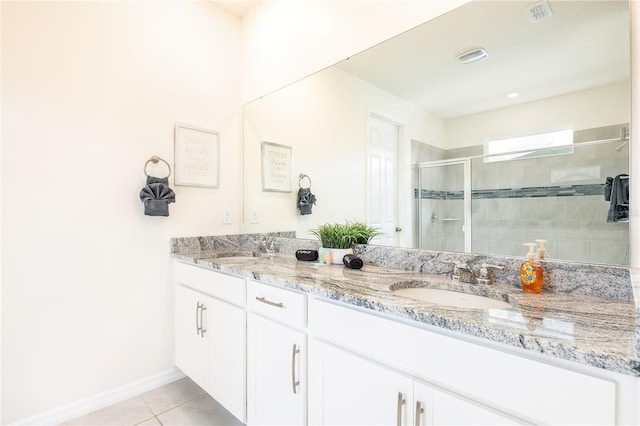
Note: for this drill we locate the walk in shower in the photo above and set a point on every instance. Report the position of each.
(465, 203)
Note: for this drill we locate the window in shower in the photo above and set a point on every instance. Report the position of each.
(530, 146)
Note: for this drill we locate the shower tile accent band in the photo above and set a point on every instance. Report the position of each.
(530, 192)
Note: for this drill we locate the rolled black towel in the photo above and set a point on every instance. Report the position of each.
(352, 261)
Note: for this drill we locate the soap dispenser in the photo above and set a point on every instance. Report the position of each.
(542, 252)
(531, 275)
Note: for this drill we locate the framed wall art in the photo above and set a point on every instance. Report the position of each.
(197, 156)
(276, 167)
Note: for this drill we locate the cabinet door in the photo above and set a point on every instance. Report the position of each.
(191, 346)
(225, 331)
(435, 407)
(275, 373)
(345, 389)
(210, 346)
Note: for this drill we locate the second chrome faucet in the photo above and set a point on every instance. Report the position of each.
(464, 274)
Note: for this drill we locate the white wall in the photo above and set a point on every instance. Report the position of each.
(289, 39)
(324, 118)
(90, 91)
(602, 106)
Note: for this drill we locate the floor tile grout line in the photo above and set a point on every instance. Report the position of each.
(204, 395)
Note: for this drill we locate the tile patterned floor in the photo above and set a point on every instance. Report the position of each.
(180, 403)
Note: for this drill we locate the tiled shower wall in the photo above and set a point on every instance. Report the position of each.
(558, 199)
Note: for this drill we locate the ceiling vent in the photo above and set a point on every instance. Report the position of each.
(538, 12)
(473, 55)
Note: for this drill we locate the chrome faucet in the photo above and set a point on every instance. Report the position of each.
(464, 274)
(461, 272)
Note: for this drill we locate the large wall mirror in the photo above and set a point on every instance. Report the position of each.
(479, 156)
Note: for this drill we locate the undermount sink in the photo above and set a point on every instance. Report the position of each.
(451, 298)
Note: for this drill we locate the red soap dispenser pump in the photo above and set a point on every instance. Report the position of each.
(531, 275)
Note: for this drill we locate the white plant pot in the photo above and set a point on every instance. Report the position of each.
(338, 254)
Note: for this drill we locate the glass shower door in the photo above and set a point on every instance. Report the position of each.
(444, 203)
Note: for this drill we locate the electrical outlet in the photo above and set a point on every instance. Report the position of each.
(254, 216)
(227, 216)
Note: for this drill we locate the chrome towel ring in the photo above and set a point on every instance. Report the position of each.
(301, 178)
(155, 160)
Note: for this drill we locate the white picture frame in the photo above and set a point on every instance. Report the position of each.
(276, 167)
(197, 156)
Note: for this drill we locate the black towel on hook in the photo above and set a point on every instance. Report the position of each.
(618, 192)
(306, 200)
(156, 196)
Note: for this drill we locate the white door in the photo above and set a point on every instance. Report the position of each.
(225, 330)
(275, 367)
(384, 137)
(191, 346)
(348, 390)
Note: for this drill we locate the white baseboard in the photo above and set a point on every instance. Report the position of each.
(102, 400)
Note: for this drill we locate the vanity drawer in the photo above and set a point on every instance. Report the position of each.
(216, 284)
(284, 306)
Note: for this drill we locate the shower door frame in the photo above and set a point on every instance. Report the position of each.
(466, 227)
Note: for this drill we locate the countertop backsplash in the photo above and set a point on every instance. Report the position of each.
(611, 282)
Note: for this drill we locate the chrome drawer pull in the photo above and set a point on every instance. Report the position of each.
(202, 329)
(268, 302)
(401, 402)
(419, 412)
(198, 319)
(294, 382)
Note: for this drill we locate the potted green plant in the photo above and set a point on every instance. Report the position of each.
(341, 237)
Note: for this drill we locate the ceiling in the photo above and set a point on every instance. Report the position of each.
(566, 52)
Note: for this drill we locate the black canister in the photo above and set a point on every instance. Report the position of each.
(352, 261)
(308, 255)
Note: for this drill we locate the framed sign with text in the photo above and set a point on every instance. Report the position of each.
(197, 153)
(276, 167)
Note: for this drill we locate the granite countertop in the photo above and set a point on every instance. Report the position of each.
(596, 331)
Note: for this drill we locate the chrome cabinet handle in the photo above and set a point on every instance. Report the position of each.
(202, 329)
(268, 302)
(295, 383)
(199, 324)
(198, 318)
(401, 402)
(419, 412)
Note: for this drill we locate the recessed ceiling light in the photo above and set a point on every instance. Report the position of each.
(513, 95)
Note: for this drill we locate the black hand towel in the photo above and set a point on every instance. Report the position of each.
(156, 196)
(619, 202)
(306, 200)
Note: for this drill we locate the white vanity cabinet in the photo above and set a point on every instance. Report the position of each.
(210, 333)
(360, 362)
(348, 389)
(276, 356)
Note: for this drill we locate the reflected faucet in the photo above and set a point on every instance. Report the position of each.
(485, 273)
(267, 246)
